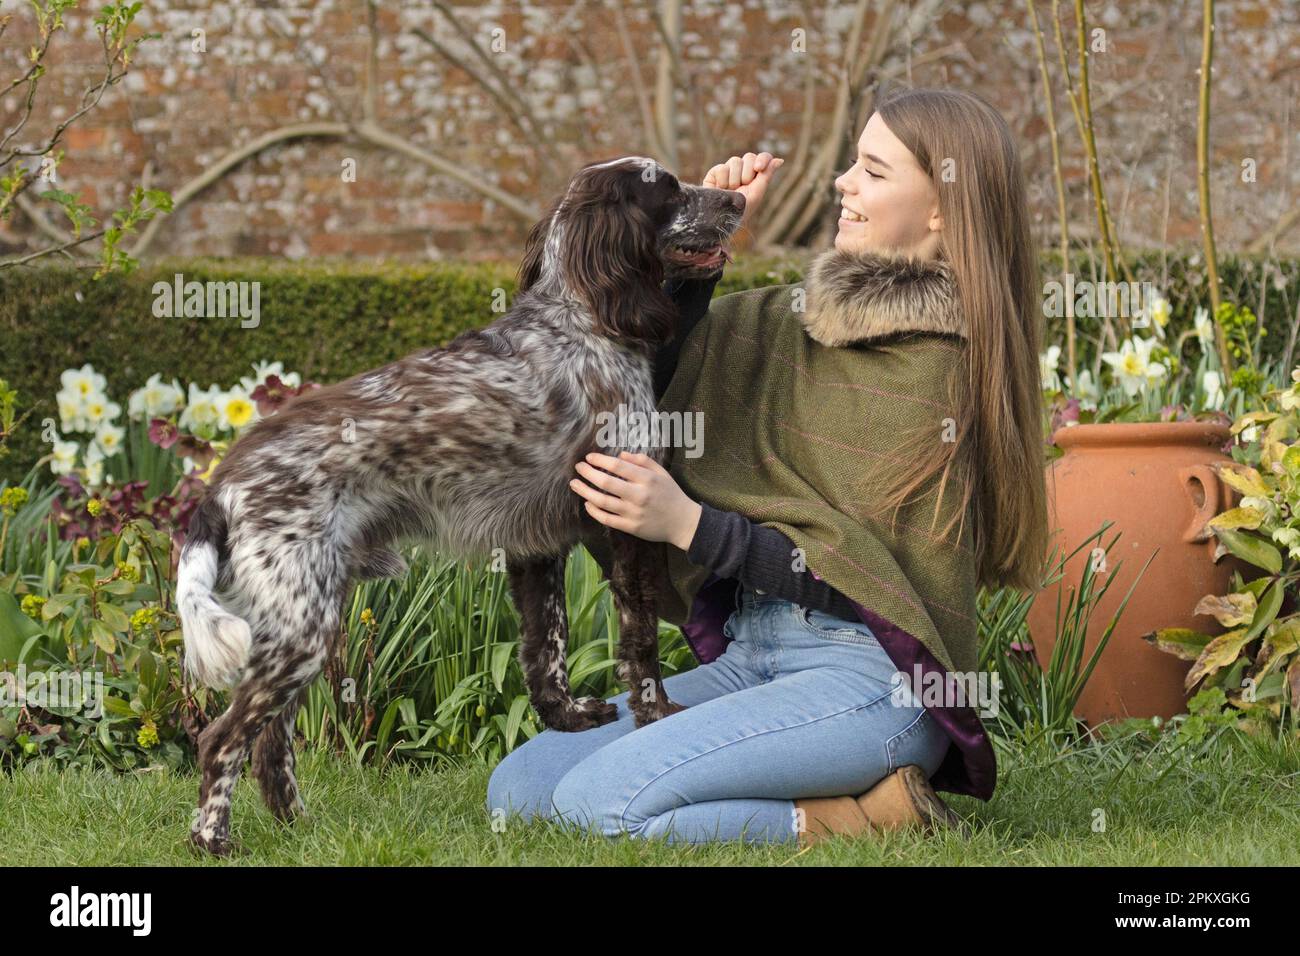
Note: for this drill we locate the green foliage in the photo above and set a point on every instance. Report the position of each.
(91, 653)
(145, 204)
(1038, 703)
(428, 668)
(1256, 662)
(8, 415)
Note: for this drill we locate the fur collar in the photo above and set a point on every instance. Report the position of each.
(854, 296)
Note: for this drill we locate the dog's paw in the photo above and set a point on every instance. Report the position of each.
(649, 713)
(578, 715)
(214, 844)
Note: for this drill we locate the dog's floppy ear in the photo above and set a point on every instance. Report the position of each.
(530, 266)
(609, 257)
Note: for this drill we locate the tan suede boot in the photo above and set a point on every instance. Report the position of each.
(903, 799)
(823, 816)
(906, 799)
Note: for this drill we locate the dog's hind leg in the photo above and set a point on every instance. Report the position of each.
(632, 582)
(273, 764)
(275, 676)
(537, 586)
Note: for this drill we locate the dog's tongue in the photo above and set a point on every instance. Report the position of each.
(711, 257)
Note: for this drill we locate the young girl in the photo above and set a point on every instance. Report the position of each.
(873, 455)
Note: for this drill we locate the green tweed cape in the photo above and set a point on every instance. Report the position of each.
(806, 393)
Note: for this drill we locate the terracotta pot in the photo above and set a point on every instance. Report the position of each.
(1156, 483)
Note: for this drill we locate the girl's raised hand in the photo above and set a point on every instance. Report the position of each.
(749, 175)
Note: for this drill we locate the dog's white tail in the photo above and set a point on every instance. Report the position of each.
(217, 643)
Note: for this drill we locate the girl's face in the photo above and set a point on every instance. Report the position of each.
(888, 201)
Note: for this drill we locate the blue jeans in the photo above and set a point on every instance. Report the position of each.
(800, 704)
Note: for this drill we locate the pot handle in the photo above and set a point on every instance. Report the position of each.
(1202, 485)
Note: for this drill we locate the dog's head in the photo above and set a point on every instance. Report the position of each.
(620, 229)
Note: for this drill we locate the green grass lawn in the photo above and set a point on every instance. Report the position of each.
(1237, 803)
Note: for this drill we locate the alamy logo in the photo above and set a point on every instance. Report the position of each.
(947, 689)
(634, 430)
(80, 690)
(102, 909)
(1094, 300)
(208, 300)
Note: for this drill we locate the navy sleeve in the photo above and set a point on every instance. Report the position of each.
(691, 296)
(732, 546)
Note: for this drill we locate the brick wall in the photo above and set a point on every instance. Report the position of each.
(178, 112)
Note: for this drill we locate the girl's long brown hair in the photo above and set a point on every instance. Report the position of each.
(965, 147)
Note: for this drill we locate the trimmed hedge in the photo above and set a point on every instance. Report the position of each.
(330, 320)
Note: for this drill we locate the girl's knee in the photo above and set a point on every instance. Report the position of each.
(511, 789)
(587, 801)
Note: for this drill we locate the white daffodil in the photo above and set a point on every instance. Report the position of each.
(83, 381)
(265, 370)
(1086, 390)
(1047, 364)
(1249, 434)
(1157, 313)
(99, 410)
(155, 399)
(1133, 366)
(1212, 385)
(108, 438)
(203, 410)
(1204, 329)
(64, 457)
(237, 409)
(72, 411)
(93, 466)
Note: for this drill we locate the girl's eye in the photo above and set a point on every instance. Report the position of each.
(874, 175)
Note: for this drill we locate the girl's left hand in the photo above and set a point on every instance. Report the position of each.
(637, 496)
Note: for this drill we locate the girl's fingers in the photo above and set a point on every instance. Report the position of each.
(601, 500)
(601, 479)
(644, 460)
(741, 170)
(735, 167)
(607, 519)
(609, 463)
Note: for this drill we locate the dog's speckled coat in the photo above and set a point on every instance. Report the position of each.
(470, 448)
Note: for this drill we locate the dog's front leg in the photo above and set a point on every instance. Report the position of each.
(537, 586)
(632, 582)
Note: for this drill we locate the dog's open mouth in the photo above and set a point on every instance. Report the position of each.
(702, 257)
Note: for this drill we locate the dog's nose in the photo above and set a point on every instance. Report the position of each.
(737, 200)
